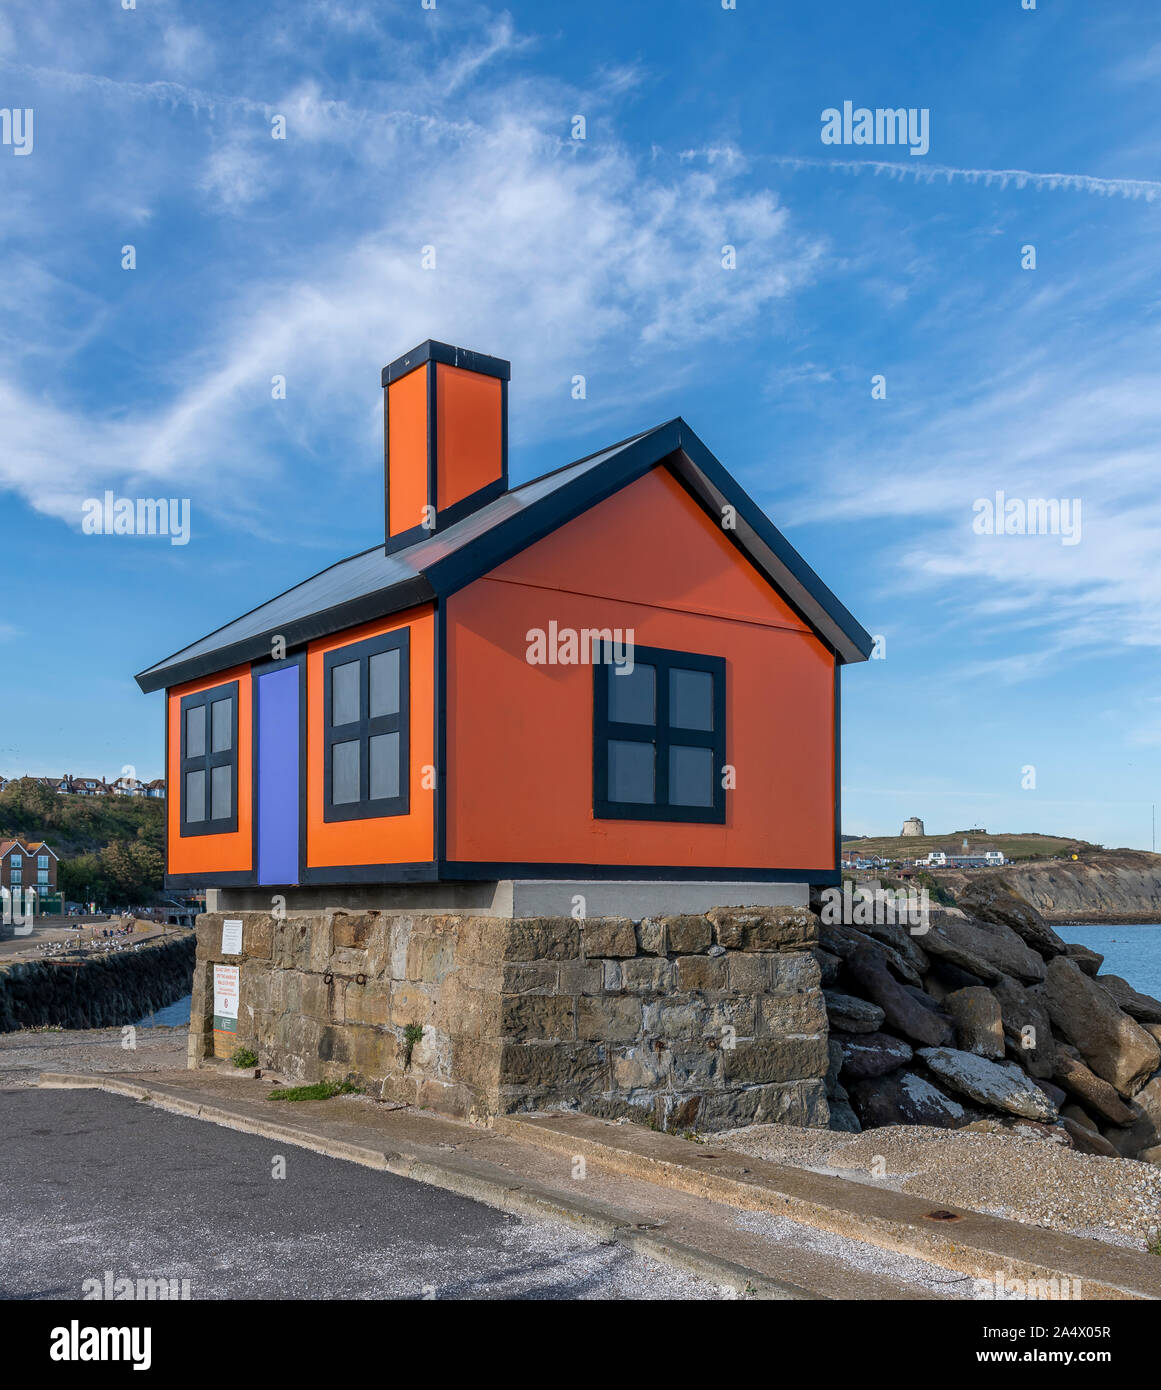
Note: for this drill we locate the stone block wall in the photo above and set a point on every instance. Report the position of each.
(698, 1022)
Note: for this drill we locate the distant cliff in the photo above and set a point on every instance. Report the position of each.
(1105, 886)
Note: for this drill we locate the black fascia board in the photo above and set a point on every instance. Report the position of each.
(753, 515)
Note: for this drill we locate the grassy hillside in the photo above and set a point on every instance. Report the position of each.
(1016, 847)
(110, 847)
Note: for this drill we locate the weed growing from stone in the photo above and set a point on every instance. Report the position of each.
(321, 1090)
(411, 1035)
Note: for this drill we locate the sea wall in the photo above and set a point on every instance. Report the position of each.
(694, 1021)
(100, 991)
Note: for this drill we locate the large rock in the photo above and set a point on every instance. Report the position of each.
(1111, 1043)
(834, 1052)
(1143, 1007)
(944, 952)
(872, 1054)
(1027, 1027)
(921, 996)
(841, 940)
(1028, 1129)
(1054, 1093)
(851, 1015)
(1089, 961)
(843, 1117)
(1087, 1141)
(992, 942)
(999, 1084)
(1096, 1094)
(943, 977)
(979, 1026)
(991, 900)
(1144, 1132)
(829, 967)
(903, 1012)
(905, 1098)
(900, 939)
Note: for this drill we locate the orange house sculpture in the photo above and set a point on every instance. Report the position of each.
(618, 673)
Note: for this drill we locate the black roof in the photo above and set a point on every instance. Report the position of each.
(374, 584)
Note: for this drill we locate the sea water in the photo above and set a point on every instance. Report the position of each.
(1133, 953)
(172, 1016)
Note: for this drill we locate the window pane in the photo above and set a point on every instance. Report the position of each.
(221, 719)
(631, 771)
(195, 795)
(384, 768)
(691, 699)
(220, 792)
(384, 677)
(691, 776)
(345, 772)
(345, 693)
(632, 695)
(195, 731)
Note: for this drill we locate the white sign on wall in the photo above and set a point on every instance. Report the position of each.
(225, 993)
(232, 936)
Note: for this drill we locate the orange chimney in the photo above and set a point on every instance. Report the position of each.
(445, 438)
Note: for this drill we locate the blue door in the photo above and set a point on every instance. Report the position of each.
(278, 781)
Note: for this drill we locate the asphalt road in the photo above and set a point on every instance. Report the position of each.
(93, 1182)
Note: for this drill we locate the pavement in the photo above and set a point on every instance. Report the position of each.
(760, 1228)
(98, 1183)
(25, 1054)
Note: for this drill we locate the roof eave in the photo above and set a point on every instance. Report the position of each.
(407, 593)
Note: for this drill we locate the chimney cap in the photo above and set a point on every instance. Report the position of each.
(432, 351)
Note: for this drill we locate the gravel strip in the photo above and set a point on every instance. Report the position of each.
(1117, 1200)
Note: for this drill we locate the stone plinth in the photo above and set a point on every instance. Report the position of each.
(691, 1021)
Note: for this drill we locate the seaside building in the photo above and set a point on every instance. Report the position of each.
(610, 692)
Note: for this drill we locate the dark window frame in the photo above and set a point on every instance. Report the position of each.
(365, 728)
(207, 760)
(662, 736)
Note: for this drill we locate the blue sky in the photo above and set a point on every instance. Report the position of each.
(451, 127)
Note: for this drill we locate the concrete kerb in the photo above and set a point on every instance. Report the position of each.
(967, 1242)
(467, 1177)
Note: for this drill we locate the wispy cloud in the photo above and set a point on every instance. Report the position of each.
(571, 246)
(921, 171)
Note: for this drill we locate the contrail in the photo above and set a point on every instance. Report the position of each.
(1135, 189)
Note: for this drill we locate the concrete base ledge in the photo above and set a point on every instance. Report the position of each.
(972, 1243)
(525, 897)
